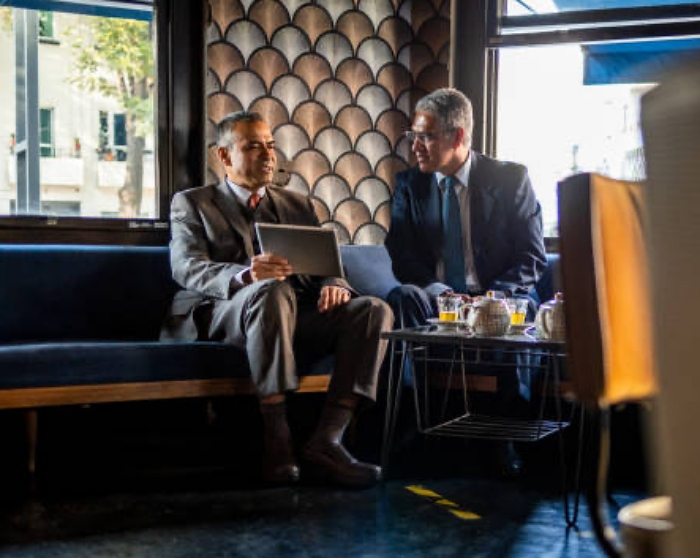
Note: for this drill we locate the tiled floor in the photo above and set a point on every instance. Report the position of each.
(166, 491)
(407, 518)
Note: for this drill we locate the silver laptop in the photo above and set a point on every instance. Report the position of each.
(309, 250)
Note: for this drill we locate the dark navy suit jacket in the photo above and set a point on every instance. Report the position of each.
(506, 227)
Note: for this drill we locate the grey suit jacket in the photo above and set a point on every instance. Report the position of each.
(211, 243)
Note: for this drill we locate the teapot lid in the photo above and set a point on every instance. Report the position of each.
(558, 299)
(488, 299)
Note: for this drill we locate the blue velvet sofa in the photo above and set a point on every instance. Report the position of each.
(80, 324)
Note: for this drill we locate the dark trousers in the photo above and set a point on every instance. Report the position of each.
(273, 324)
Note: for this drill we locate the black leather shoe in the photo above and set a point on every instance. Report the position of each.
(509, 463)
(332, 462)
(280, 473)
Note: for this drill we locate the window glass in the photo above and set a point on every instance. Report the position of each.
(46, 25)
(529, 7)
(120, 136)
(555, 124)
(92, 87)
(8, 137)
(46, 132)
(569, 86)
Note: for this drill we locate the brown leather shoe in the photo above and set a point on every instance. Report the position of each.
(332, 462)
(280, 473)
(279, 465)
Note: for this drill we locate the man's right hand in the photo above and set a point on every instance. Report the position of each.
(269, 266)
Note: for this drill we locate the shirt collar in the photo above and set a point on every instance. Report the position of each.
(462, 174)
(243, 194)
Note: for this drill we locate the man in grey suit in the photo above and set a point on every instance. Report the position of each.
(235, 294)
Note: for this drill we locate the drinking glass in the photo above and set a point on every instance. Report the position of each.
(518, 310)
(449, 308)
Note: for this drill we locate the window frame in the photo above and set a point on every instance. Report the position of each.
(476, 72)
(179, 137)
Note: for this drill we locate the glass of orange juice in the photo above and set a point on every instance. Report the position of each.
(449, 308)
(518, 310)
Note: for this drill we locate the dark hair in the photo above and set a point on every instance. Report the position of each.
(228, 123)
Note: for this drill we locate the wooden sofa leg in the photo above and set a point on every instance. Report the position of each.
(211, 413)
(31, 426)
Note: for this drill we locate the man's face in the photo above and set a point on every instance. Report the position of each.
(250, 163)
(434, 148)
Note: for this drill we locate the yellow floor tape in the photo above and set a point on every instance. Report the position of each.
(449, 505)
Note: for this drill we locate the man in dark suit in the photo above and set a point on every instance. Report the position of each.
(235, 294)
(461, 222)
(502, 247)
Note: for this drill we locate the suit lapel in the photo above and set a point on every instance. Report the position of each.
(481, 202)
(227, 202)
(427, 207)
(279, 208)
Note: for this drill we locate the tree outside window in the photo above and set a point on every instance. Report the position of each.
(114, 57)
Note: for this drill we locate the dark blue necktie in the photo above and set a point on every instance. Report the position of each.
(452, 250)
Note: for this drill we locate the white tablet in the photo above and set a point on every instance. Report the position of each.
(309, 250)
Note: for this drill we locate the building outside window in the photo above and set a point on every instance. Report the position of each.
(88, 90)
(119, 127)
(46, 132)
(570, 75)
(112, 138)
(46, 25)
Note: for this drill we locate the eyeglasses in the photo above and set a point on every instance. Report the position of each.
(423, 137)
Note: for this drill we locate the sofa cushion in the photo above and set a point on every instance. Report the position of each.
(63, 292)
(368, 269)
(550, 282)
(68, 364)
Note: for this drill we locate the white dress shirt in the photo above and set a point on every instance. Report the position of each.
(243, 194)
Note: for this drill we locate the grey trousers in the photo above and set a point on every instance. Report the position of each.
(272, 324)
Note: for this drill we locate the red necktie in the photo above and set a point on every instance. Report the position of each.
(253, 200)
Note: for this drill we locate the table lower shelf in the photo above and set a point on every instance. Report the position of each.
(496, 428)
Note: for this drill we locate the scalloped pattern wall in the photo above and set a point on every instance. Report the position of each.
(338, 81)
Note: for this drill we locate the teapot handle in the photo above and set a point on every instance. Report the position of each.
(547, 320)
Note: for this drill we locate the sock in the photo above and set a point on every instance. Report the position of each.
(334, 420)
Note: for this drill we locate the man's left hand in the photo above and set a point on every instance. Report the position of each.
(332, 297)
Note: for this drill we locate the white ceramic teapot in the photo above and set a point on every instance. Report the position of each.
(549, 322)
(489, 316)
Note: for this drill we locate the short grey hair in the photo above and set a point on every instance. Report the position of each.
(451, 108)
(225, 128)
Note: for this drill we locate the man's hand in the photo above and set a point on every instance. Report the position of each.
(466, 299)
(332, 297)
(269, 266)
